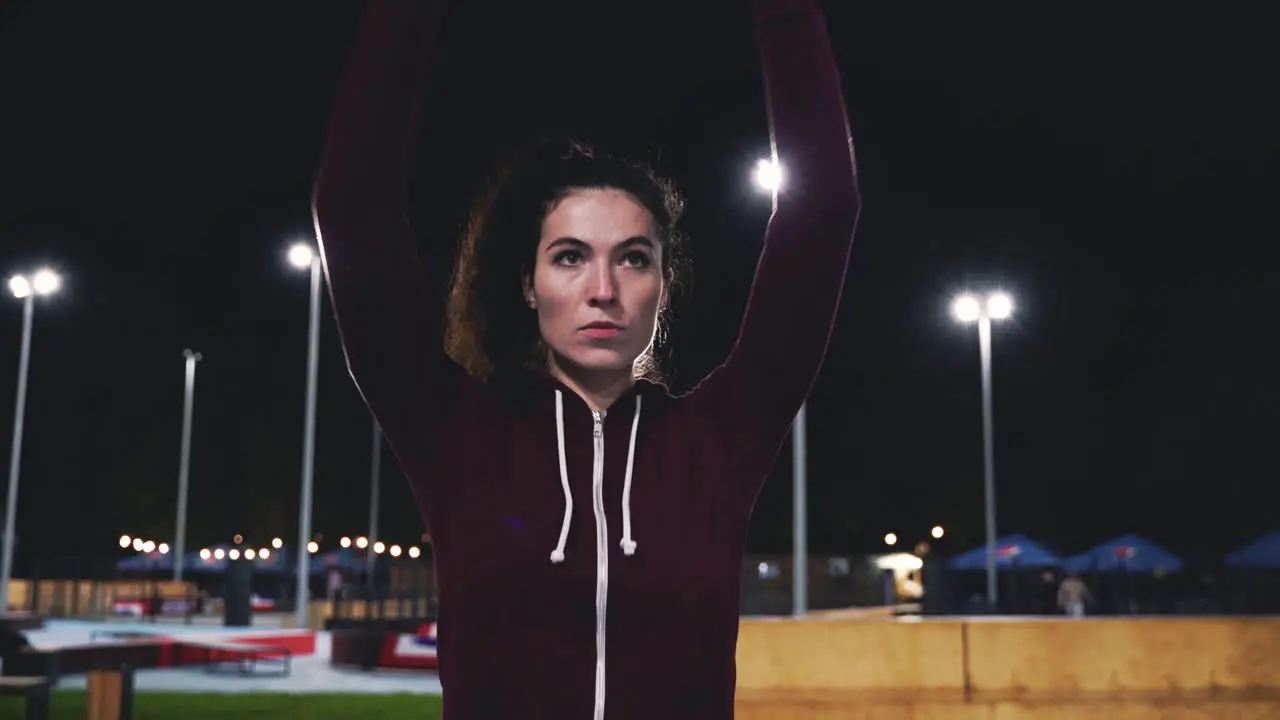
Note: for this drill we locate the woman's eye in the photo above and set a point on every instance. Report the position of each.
(636, 259)
(568, 257)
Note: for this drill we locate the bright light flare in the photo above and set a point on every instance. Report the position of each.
(969, 307)
(163, 548)
(890, 539)
(362, 542)
(20, 286)
(379, 547)
(277, 543)
(44, 282)
(125, 541)
(966, 308)
(313, 547)
(768, 176)
(937, 532)
(414, 552)
(999, 306)
(301, 255)
(395, 551)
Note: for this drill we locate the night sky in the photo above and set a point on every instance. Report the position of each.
(1113, 172)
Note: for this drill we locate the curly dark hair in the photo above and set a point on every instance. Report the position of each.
(490, 329)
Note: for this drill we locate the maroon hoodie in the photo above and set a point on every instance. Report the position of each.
(587, 563)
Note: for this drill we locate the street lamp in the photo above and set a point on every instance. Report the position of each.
(303, 257)
(768, 178)
(43, 282)
(937, 532)
(968, 308)
(890, 539)
(184, 462)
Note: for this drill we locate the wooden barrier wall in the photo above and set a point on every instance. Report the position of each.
(88, 598)
(1010, 669)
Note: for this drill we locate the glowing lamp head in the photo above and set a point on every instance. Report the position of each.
(966, 308)
(301, 255)
(768, 176)
(999, 306)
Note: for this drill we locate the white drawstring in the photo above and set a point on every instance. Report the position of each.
(628, 545)
(557, 555)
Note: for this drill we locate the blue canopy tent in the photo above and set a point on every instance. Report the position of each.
(1011, 551)
(348, 559)
(146, 562)
(1262, 553)
(1127, 553)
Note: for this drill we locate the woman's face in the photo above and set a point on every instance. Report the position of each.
(597, 282)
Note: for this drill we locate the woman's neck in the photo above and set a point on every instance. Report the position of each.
(598, 388)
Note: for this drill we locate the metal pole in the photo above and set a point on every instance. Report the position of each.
(375, 473)
(800, 473)
(15, 456)
(988, 457)
(184, 464)
(308, 447)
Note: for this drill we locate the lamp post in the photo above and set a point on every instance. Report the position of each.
(768, 178)
(969, 308)
(184, 463)
(43, 282)
(303, 257)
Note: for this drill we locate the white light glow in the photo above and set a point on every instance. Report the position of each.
(301, 255)
(313, 547)
(966, 308)
(768, 176)
(46, 282)
(20, 286)
(999, 306)
(890, 539)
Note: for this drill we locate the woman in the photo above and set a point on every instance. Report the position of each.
(588, 527)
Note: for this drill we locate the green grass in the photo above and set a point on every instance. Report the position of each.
(69, 705)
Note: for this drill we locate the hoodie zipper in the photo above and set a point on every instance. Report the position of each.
(602, 556)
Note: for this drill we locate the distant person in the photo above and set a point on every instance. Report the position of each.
(1072, 595)
(588, 526)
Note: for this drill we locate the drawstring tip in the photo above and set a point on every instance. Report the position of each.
(557, 556)
(628, 547)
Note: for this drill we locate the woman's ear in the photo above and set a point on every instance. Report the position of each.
(529, 297)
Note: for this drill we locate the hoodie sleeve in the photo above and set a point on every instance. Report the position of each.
(756, 393)
(389, 319)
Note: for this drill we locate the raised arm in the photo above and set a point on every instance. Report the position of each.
(389, 319)
(799, 279)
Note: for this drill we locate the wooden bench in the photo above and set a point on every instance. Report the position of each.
(36, 691)
(245, 655)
